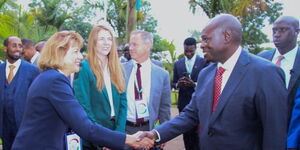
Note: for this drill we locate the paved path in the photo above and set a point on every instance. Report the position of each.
(176, 143)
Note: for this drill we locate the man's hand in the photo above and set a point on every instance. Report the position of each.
(145, 143)
(147, 134)
(185, 82)
(189, 82)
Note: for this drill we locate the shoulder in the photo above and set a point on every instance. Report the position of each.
(159, 70)
(29, 67)
(266, 53)
(263, 66)
(181, 60)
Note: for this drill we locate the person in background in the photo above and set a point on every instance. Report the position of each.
(148, 86)
(121, 54)
(185, 74)
(100, 86)
(52, 109)
(39, 46)
(287, 56)
(16, 77)
(29, 52)
(240, 101)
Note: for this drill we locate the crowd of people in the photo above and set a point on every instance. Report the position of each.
(119, 98)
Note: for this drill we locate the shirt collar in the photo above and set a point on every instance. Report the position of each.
(146, 63)
(16, 64)
(291, 55)
(232, 60)
(192, 59)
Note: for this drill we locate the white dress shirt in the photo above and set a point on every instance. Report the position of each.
(189, 63)
(146, 85)
(228, 66)
(16, 64)
(107, 81)
(287, 63)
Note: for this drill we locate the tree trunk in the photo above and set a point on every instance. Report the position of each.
(131, 18)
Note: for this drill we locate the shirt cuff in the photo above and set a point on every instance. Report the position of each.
(158, 136)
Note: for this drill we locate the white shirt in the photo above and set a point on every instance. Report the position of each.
(16, 64)
(189, 63)
(107, 81)
(287, 63)
(34, 57)
(228, 66)
(146, 85)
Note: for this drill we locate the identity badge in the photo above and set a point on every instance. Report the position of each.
(73, 141)
(141, 108)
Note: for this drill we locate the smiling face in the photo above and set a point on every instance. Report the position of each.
(139, 49)
(14, 49)
(213, 44)
(104, 43)
(72, 60)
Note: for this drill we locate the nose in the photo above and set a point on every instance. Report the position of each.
(202, 45)
(276, 34)
(80, 56)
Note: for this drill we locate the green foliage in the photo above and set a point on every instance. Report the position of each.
(51, 12)
(252, 14)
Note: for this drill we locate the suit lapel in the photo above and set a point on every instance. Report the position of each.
(128, 69)
(2, 78)
(271, 55)
(195, 67)
(236, 76)
(182, 65)
(295, 72)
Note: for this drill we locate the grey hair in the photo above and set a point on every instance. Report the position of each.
(147, 36)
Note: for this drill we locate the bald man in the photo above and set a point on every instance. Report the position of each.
(234, 101)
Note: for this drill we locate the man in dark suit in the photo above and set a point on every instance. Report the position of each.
(235, 101)
(185, 74)
(29, 52)
(287, 56)
(287, 52)
(16, 76)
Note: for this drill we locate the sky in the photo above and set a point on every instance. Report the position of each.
(175, 20)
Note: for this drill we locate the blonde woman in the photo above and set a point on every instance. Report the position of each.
(99, 85)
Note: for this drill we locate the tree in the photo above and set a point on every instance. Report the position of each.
(251, 13)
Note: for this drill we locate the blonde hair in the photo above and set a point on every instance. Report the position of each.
(115, 67)
(56, 48)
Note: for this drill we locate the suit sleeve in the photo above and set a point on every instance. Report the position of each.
(183, 122)
(82, 90)
(272, 107)
(122, 113)
(75, 117)
(294, 128)
(165, 102)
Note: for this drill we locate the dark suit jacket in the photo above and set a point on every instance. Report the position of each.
(51, 110)
(250, 115)
(185, 93)
(96, 103)
(26, 74)
(295, 73)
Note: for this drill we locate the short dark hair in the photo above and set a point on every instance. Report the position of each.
(5, 42)
(190, 41)
(26, 43)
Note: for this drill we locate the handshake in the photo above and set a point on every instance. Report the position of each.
(142, 140)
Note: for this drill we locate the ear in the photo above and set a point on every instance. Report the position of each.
(227, 36)
(5, 49)
(297, 32)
